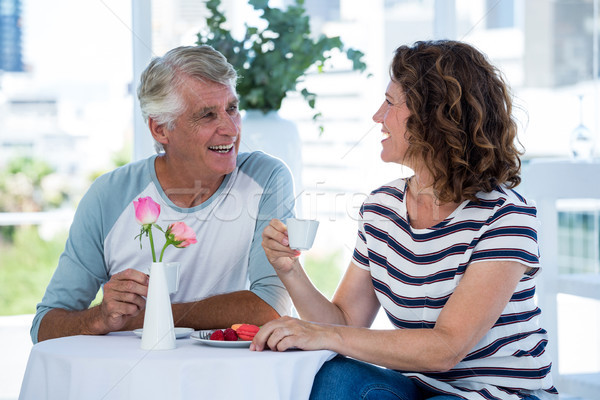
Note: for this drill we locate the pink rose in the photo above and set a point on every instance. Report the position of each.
(177, 234)
(146, 210)
(181, 234)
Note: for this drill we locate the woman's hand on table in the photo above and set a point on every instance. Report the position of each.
(123, 298)
(291, 333)
(276, 245)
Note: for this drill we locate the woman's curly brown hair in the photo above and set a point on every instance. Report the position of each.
(460, 121)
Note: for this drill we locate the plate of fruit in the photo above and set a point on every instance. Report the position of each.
(238, 335)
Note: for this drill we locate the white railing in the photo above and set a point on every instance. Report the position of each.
(35, 218)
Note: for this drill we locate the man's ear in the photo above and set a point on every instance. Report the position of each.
(159, 132)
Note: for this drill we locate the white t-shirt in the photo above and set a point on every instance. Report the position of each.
(227, 257)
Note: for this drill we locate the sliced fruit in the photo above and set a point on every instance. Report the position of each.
(246, 331)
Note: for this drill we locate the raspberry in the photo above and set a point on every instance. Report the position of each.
(217, 335)
(230, 335)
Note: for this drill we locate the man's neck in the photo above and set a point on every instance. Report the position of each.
(182, 186)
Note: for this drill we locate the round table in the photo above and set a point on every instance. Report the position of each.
(115, 367)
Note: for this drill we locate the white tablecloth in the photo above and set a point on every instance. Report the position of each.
(114, 367)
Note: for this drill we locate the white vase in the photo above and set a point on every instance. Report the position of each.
(276, 136)
(159, 330)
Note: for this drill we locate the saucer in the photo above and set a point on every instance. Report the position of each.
(180, 333)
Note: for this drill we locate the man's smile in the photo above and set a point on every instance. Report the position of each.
(223, 148)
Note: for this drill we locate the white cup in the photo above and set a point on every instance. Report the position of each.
(301, 232)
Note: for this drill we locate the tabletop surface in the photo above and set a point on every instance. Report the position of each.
(115, 367)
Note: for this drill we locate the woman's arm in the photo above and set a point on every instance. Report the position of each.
(354, 303)
(469, 314)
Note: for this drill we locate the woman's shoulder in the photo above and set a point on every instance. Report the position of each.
(503, 196)
(394, 188)
(500, 203)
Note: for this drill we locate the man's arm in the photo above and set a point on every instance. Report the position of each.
(224, 310)
(219, 311)
(123, 300)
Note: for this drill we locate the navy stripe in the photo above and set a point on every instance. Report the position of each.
(523, 231)
(484, 393)
(518, 373)
(498, 344)
(387, 213)
(359, 258)
(507, 319)
(409, 302)
(406, 324)
(433, 389)
(377, 259)
(483, 204)
(535, 352)
(362, 236)
(512, 209)
(521, 198)
(495, 254)
(552, 390)
(390, 191)
(523, 294)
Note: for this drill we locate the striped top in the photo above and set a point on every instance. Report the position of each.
(414, 272)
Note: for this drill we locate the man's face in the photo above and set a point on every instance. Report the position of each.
(206, 136)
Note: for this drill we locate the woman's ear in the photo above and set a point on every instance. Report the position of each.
(159, 132)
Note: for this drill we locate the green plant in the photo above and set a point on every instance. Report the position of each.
(26, 266)
(271, 61)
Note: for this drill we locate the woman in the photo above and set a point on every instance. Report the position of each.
(450, 253)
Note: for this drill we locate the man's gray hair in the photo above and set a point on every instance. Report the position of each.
(158, 90)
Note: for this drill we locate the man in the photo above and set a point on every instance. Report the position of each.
(189, 102)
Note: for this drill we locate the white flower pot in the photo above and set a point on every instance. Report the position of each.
(275, 136)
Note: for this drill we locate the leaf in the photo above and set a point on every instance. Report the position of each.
(270, 61)
(259, 4)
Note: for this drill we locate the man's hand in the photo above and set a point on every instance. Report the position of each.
(124, 298)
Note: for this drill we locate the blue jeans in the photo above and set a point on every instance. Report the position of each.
(349, 379)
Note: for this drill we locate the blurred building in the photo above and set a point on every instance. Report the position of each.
(63, 86)
(11, 58)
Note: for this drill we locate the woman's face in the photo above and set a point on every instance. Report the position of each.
(392, 116)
